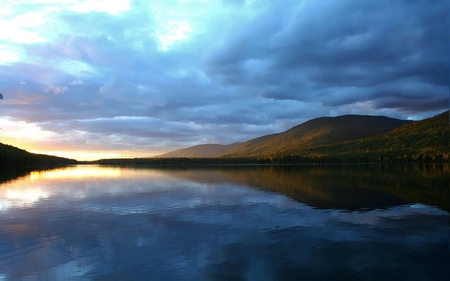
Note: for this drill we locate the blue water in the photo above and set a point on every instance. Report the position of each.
(97, 223)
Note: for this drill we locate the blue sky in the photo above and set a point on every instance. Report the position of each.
(91, 79)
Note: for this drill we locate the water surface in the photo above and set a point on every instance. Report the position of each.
(250, 223)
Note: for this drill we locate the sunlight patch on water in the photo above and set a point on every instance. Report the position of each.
(77, 172)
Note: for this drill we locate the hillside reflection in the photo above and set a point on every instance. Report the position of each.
(344, 187)
(228, 223)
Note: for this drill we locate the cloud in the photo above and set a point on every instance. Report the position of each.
(55, 89)
(344, 47)
(232, 70)
(76, 82)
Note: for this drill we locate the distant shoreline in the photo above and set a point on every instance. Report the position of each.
(286, 160)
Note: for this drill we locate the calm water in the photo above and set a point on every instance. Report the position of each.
(250, 223)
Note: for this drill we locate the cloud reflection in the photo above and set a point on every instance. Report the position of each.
(27, 196)
(162, 224)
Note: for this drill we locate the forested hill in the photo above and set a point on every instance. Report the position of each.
(426, 140)
(319, 131)
(11, 156)
(421, 141)
(200, 151)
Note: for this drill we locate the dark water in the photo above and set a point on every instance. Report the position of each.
(363, 222)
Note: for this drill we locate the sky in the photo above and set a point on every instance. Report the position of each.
(90, 79)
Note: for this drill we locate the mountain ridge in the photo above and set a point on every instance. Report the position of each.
(200, 151)
(317, 131)
(352, 138)
(419, 141)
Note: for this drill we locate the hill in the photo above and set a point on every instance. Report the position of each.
(425, 140)
(200, 151)
(11, 156)
(332, 140)
(319, 131)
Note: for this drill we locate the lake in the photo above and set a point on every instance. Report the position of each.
(332, 222)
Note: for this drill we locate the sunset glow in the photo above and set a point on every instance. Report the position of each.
(90, 79)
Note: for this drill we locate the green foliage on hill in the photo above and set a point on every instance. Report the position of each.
(200, 151)
(422, 141)
(11, 156)
(315, 132)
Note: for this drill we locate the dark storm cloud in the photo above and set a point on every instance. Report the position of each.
(335, 45)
